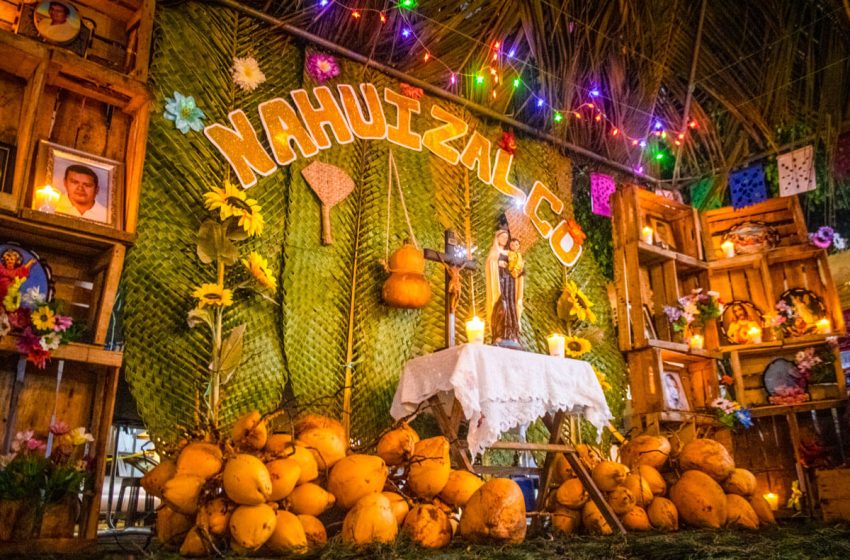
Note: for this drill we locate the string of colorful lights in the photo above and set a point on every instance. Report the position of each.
(589, 105)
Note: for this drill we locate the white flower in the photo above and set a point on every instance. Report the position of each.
(839, 242)
(247, 74)
(713, 293)
(51, 341)
(33, 297)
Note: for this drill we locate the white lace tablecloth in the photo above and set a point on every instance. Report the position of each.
(500, 388)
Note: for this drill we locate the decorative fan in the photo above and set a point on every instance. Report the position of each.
(738, 319)
(804, 309)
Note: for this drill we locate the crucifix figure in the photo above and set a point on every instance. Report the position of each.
(454, 260)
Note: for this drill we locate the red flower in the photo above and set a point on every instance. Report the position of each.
(410, 91)
(727, 380)
(508, 142)
(576, 232)
(20, 318)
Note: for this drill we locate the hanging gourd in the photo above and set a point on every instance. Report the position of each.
(407, 287)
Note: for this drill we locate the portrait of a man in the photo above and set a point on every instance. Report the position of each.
(79, 197)
(58, 22)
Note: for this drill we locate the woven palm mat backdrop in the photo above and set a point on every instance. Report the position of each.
(330, 296)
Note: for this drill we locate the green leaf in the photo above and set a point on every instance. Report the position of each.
(213, 244)
(231, 353)
(199, 316)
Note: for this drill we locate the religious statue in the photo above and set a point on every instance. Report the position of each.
(505, 269)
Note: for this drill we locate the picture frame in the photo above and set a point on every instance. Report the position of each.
(7, 167)
(649, 324)
(663, 232)
(673, 392)
(74, 34)
(97, 198)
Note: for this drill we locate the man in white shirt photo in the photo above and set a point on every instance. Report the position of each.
(81, 188)
(56, 26)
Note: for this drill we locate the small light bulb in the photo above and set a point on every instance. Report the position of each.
(540, 102)
(383, 18)
(355, 14)
(516, 82)
(512, 53)
(452, 78)
(643, 143)
(405, 33)
(559, 117)
(615, 132)
(426, 57)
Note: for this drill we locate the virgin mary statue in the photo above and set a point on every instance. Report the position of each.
(504, 292)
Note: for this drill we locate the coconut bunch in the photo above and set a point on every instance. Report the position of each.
(268, 493)
(710, 493)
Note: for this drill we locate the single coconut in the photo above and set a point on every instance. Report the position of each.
(182, 492)
(741, 482)
(200, 459)
(310, 499)
(250, 432)
(246, 480)
(646, 450)
(355, 476)
(566, 520)
(370, 521)
(460, 487)
(739, 513)
(699, 500)
(288, 536)
(428, 526)
(154, 480)
(317, 535)
(284, 474)
(251, 526)
(663, 515)
(608, 475)
(636, 520)
(396, 446)
(172, 526)
(572, 494)
(495, 513)
(708, 456)
(399, 505)
(430, 467)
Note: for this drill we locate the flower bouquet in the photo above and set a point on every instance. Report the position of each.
(40, 326)
(696, 308)
(731, 414)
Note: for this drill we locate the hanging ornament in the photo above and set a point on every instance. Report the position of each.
(508, 142)
(797, 171)
(747, 186)
(410, 91)
(602, 186)
(322, 67)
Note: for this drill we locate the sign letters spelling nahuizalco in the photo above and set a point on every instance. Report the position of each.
(304, 124)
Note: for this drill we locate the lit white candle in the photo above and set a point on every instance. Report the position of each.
(646, 235)
(696, 342)
(556, 344)
(475, 330)
(772, 500)
(824, 326)
(754, 334)
(728, 249)
(45, 199)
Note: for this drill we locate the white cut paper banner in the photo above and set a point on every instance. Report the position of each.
(797, 171)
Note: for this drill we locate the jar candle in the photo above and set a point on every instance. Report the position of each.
(824, 326)
(728, 249)
(772, 500)
(696, 342)
(45, 199)
(754, 335)
(475, 330)
(646, 235)
(556, 344)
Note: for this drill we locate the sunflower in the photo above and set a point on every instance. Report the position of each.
(575, 346)
(213, 294)
(259, 269)
(251, 220)
(43, 318)
(229, 201)
(581, 304)
(603, 380)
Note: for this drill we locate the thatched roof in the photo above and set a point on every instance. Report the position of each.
(769, 71)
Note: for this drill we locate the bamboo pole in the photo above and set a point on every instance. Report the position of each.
(486, 111)
(690, 92)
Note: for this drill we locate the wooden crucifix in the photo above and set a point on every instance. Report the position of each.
(455, 260)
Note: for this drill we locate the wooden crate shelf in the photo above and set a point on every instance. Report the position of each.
(649, 255)
(783, 409)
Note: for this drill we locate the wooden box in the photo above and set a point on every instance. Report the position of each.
(782, 214)
(834, 494)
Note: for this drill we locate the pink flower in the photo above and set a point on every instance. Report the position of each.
(28, 341)
(24, 441)
(20, 318)
(322, 67)
(59, 427)
(62, 323)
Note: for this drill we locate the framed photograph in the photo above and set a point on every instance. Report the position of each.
(7, 167)
(78, 185)
(674, 392)
(663, 234)
(649, 324)
(57, 22)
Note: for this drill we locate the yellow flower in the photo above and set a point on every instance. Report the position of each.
(229, 201)
(575, 346)
(12, 301)
(259, 269)
(603, 381)
(213, 294)
(44, 319)
(251, 220)
(580, 303)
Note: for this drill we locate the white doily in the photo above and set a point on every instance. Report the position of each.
(500, 388)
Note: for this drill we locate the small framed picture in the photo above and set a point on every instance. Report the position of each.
(78, 185)
(674, 392)
(649, 324)
(663, 234)
(57, 22)
(7, 167)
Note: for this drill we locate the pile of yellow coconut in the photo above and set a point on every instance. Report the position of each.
(709, 493)
(264, 493)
